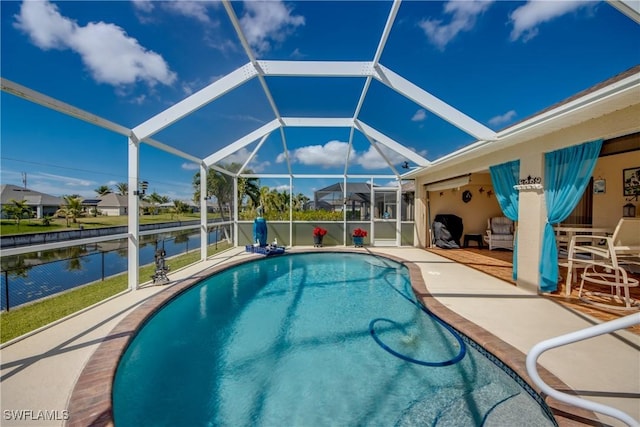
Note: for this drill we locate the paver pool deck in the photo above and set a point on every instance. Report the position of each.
(39, 372)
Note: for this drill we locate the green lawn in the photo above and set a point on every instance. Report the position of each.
(21, 320)
(8, 227)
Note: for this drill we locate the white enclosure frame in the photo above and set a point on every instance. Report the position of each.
(260, 69)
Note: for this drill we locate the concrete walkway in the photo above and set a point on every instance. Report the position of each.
(38, 373)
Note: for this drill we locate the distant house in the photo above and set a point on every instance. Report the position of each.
(112, 204)
(358, 199)
(332, 197)
(42, 204)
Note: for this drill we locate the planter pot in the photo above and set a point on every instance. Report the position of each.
(358, 242)
(317, 241)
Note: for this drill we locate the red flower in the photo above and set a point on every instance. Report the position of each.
(319, 231)
(359, 232)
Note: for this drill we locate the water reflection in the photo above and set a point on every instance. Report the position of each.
(40, 274)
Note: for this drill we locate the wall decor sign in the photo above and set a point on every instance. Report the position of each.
(631, 182)
(599, 186)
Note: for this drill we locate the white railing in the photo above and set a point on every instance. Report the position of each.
(593, 331)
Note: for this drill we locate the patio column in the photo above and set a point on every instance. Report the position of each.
(399, 214)
(203, 212)
(422, 217)
(235, 210)
(532, 212)
(133, 215)
(290, 210)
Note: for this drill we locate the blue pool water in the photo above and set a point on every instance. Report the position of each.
(287, 341)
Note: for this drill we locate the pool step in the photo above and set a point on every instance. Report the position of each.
(490, 405)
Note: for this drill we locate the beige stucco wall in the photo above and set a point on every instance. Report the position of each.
(607, 206)
(532, 207)
(475, 213)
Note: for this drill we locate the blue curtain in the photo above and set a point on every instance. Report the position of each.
(504, 177)
(566, 175)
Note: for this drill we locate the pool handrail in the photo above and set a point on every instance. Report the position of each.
(583, 334)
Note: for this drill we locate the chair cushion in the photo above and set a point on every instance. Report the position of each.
(502, 237)
(501, 229)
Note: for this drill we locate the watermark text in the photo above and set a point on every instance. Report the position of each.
(35, 415)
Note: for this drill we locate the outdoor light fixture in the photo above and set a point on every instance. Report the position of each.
(629, 210)
(143, 185)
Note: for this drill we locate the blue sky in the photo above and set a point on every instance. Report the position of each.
(496, 61)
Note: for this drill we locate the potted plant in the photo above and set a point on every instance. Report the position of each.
(358, 236)
(318, 234)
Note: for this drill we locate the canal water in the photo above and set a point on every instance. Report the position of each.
(30, 277)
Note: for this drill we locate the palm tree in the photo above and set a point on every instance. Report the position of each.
(274, 203)
(16, 210)
(156, 199)
(300, 201)
(71, 209)
(220, 186)
(179, 207)
(249, 187)
(102, 190)
(123, 188)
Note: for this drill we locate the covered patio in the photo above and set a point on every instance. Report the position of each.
(499, 265)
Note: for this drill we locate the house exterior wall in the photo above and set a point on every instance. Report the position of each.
(475, 213)
(607, 206)
(113, 211)
(532, 206)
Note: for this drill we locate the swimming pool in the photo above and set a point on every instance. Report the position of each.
(293, 340)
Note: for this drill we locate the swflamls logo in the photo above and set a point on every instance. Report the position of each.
(35, 415)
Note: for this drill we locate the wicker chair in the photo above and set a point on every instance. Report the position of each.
(500, 233)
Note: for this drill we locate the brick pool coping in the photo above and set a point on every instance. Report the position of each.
(91, 399)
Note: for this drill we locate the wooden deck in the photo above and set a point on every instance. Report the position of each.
(498, 263)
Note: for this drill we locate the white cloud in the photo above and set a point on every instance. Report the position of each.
(197, 10)
(371, 159)
(334, 154)
(190, 166)
(110, 55)
(419, 116)
(241, 156)
(139, 100)
(218, 42)
(297, 54)
(242, 118)
(502, 119)
(266, 22)
(464, 14)
(331, 154)
(60, 185)
(66, 180)
(191, 9)
(527, 18)
(146, 6)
